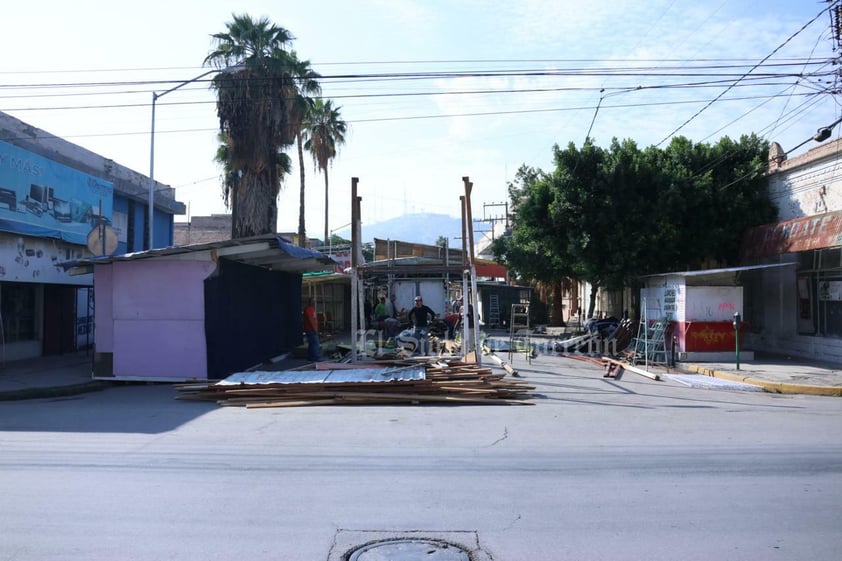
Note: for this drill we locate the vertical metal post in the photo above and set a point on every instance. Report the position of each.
(737, 322)
(645, 338)
(354, 280)
(358, 248)
(101, 228)
(155, 96)
(151, 202)
(463, 312)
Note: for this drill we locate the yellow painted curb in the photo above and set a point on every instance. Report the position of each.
(773, 387)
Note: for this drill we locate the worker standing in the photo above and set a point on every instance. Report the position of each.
(421, 316)
(311, 331)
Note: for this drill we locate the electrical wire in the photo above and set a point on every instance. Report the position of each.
(714, 100)
(405, 118)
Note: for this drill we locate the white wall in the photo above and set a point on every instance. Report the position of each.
(808, 184)
(37, 260)
(713, 303)
(431, 290)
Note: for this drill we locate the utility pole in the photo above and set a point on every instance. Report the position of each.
(493, 220)
(467, 228)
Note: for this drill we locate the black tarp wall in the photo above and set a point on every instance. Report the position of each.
(251, 314)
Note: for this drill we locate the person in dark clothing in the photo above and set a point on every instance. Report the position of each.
(367, 312)
(420, 316)
(392, 324)
(455, 321)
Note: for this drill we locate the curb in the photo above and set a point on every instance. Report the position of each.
(58, 391)
(772, 387)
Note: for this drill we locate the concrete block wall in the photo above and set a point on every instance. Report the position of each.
(203, 229)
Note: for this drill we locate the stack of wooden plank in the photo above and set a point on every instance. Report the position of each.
(623, 335)
(594, 342)
(437, 381)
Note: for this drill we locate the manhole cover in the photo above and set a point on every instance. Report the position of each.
(409, 550)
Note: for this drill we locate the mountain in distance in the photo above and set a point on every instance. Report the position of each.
(423, 228)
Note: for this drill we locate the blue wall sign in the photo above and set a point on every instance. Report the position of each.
(39, 197)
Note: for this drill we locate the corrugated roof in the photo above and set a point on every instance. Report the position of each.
(715, 277)
(704, 272)
(270, 251)
(342, 375)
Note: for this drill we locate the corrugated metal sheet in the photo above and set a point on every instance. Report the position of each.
(707, 272)
(269, 250)
(361, 375)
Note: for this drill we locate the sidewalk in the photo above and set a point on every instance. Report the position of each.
(70, 374)
(48, 376)
(777, 374)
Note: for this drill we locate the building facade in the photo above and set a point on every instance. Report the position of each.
(57, 200)
(797, 309)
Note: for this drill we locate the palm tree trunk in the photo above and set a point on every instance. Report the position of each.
(327, 239)
(255, 209)
(235, 195)
(276, 178)
(302, 235)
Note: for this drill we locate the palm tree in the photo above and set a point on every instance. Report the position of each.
(231, 177)
(307, 86)
(253, 109)
(325, 134)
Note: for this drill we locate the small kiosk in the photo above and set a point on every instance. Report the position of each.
(704, 310)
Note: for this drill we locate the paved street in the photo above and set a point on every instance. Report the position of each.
(598, 469)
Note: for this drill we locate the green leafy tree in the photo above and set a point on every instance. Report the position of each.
(325, 133)
(535, 246)
(253, 109)
(533, 250)
(338, 241)
(607, 216)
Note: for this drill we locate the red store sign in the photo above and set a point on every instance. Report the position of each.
(801, 234)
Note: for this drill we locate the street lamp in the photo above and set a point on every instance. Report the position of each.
(821, 135)
(330, 237)
(155, 96)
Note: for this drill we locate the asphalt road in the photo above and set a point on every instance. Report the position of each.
(598, 469)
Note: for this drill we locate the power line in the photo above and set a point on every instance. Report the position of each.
(407, 118)
(637, 71)
(193, 69)
(615, 90)
(767, 57)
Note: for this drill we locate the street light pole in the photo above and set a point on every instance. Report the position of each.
(155, 96)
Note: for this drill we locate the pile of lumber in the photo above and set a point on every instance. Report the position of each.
(594, 343)
(437, 381)
(624, 334)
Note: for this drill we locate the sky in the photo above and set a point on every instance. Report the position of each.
(432, 90)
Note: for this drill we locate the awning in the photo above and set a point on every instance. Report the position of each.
(800, 234)
(716, 276)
